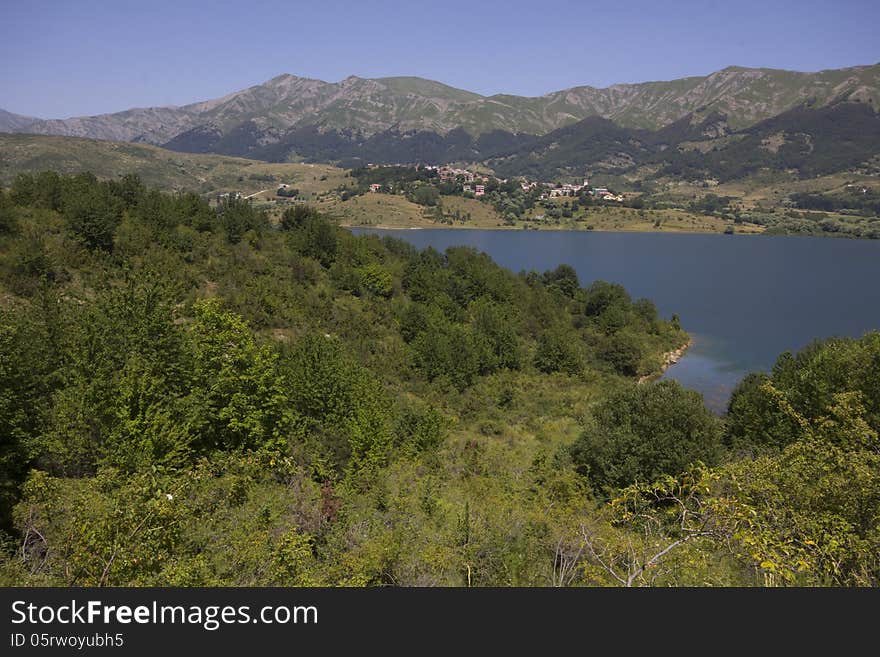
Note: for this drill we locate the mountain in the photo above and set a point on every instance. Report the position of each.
(744, 95)
(287, 107)
(808, 140)
(10, 122)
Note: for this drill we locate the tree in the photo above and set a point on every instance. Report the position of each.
(623, 352)
(564, 278)
(655, 533)
(125, 375)
(495, 336)
(809, 515)
(559, 350)
(807, 383)
(241, 398)
(238, 216)
(447, 350)
(425, 195)
(8, 223)
(641, 433)
(296, 216)
(312, 236)
(375, 279)
(601, 295)
(344, 409)
(26, 365)
(92, 218)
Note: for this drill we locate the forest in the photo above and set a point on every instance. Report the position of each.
(196, 394)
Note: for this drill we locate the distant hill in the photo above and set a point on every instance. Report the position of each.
(809, 140)
(10, 122)
(155, 166)
(287, 108)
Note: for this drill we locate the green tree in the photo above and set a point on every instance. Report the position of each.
(564, 278)
(496, 336)
(241, 398)
(559, 350)
(92, 218)
(601, 295)
(623, 352)
(314, 237)
(344, 408)
(238, 216)
(8, 222)
(373, 278)
(643, 432)
(425, 195)
(809, 515)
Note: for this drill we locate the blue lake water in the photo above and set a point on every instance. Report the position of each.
(744, 299)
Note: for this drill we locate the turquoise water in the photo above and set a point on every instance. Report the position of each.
(744, 299)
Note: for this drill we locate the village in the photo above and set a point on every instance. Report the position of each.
(475, 183)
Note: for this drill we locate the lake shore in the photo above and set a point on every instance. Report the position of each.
(670, 358)
(543, 229)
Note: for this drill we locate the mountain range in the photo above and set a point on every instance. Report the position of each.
(405, 119)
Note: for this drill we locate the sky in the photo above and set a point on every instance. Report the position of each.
(83, 57)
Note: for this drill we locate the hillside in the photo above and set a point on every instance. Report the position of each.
(196, 396)
(808, 140)
(660, 198)
(10, 122)
(274, 112)
(155, 166)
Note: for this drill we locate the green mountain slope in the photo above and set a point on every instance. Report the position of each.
(371, 106)
(155, 166)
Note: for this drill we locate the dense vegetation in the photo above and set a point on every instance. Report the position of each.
(863, 201)
(817, 224)
(193, 394)
(806, 140)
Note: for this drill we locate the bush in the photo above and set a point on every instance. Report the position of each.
(623, 352)
(238, 216)
(92, 219)
(642, 432)
(559, 351)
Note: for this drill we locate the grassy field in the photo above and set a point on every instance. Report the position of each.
(380, 210)
(392, 211)
(770, 189)
(612, 218)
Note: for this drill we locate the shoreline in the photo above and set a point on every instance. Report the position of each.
(520, 229)
(670, 358)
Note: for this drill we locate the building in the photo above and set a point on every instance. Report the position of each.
(375, 187)
(481, 189)
(449, 174)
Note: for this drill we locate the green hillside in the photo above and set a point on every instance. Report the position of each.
(159, 167)
(191, 395)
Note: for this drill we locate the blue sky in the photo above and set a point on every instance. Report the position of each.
(81, 57)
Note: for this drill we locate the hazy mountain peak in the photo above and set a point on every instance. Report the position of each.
(10, 122)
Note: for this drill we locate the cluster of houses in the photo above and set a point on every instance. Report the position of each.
(468, 178)
(475, 184)
(568, 190)
(574, 190)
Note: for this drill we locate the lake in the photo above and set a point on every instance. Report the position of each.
(744, 299)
